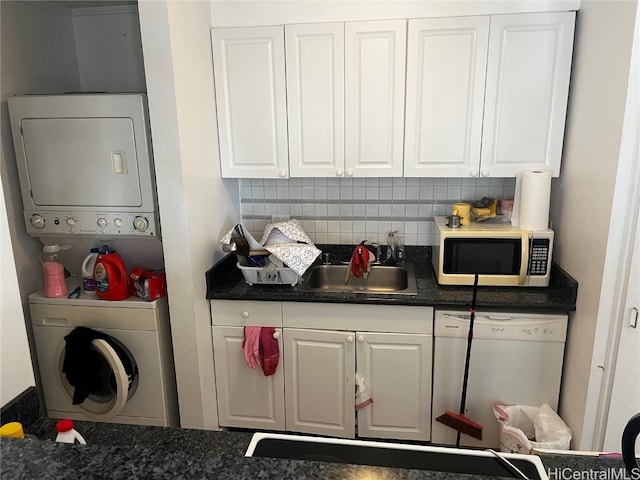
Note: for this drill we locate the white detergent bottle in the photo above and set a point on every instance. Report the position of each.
(66, 433)
(88, 281)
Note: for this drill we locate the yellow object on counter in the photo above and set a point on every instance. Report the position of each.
(463, 210)
(12, 430)
(481, 212)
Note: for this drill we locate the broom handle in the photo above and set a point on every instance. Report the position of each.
(465, 377)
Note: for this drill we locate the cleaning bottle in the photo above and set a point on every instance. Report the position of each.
(401, 252)
(67, 434)
(88, 265)
(110, 274)
(54, 282)
(391, 248)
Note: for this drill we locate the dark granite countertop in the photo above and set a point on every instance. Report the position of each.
(135, 452)
(225, 281)
(118, 451)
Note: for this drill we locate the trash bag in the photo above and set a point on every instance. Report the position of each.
(523, 428)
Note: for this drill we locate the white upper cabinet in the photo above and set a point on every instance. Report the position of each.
(528, 70)
(446, 68)
(315, 99)
(374, 97)
(485, 96)
(345, 98)
(249, 77)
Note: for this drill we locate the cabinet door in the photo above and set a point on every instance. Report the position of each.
(251, 101)
(319, 374)
(315, 99)
(528, 70)
(397, 373)
(374, 97)
(446, 71)
(246, 398)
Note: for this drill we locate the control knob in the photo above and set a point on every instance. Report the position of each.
(140, 224)
(37, 221)
(102, 222)
(117, 222)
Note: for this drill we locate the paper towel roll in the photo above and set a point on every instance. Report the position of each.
(533, 199)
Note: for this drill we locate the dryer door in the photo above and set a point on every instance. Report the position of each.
(116, 383)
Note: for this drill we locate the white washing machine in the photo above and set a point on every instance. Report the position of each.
(515, 358)
(136, 381)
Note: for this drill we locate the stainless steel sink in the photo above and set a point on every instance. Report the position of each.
(395, 280)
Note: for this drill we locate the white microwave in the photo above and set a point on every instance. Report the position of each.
(501, 254)
(85, 164)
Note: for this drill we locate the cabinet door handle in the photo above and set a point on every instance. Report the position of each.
(349, 173)
(474, 173)
(276, 335)
(349, 339)
(485, 173)
(634, 323)
(339, 173)
(360, 338)
(245, 314)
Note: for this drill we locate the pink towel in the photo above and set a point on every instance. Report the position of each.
(251, 346)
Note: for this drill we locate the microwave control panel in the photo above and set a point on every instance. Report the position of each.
(539, 259)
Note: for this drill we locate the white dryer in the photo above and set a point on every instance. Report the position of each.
(136, 378)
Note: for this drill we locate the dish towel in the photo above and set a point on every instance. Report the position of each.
(360, 262)
(288, 242)
(251, 346)
(269, 351)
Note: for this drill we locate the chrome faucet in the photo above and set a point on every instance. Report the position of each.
(378, 253)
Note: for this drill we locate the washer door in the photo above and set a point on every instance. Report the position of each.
(118, 379)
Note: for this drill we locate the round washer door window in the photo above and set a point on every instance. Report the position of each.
(115, 384)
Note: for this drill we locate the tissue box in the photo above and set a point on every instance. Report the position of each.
(268, 276)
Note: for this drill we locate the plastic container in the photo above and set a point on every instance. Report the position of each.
(88, 265)
(12, 430)
(67, 434)
(268, 276)
(110, 274)
(55, 284)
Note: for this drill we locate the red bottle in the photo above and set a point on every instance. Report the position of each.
(112, 282)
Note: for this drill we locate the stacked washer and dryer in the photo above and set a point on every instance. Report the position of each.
(86, 170)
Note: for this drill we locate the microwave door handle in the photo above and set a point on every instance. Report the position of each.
(524, 263)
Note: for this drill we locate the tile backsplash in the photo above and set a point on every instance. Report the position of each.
(349, 210)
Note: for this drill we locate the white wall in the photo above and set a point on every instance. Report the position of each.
(197, 207)
(109, 49)
(582, 196)
(16, 375)
(38, 56)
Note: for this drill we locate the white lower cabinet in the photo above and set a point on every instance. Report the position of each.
(319, 378)
(246, 397)
(397, 372)
(322, 346)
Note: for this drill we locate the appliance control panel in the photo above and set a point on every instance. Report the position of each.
(539, 256)
(503, 326)
(91, 223)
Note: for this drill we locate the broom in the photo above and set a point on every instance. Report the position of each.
(458, 421)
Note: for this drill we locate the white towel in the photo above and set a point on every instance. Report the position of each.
(282, 240)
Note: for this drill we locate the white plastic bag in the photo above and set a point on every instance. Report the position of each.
(524, 427)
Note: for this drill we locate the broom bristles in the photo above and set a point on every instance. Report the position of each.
(461, 424)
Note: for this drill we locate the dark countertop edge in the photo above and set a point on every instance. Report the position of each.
(223, 280)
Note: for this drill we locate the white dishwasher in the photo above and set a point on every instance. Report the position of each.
(515, 358)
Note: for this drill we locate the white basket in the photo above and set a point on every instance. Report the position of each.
(272, 276)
